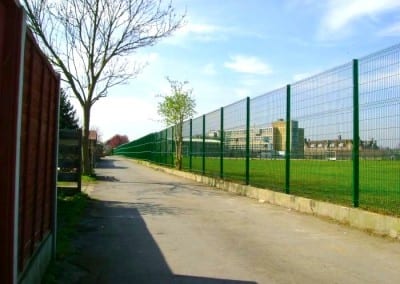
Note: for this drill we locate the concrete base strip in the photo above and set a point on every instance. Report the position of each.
(358, 218)
(38, 264)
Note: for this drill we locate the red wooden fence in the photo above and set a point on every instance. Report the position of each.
(38, 149)
(28, 144)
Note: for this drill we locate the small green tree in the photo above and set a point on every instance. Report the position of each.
(175, 108)
(67, 117)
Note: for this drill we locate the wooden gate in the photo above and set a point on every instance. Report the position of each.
(69, 159)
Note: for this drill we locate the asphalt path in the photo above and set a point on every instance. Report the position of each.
(145, 226)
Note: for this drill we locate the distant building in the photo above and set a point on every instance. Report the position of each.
(340, 149)
(261, 141)
(270, 142)
(296, 138)
(264, 142)
(212, 146)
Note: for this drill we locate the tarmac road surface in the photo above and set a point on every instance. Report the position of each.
(145, 226)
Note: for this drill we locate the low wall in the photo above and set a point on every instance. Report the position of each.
(372, 222)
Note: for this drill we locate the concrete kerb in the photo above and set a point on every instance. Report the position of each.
(87, 188)
(369, 221)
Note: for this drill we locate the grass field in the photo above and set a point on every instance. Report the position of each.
(318, 179)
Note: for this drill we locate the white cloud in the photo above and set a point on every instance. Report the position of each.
(200, 28)
(241, 93)
(342, 13)
(124, 115)
(393, 30)
(297, 3)
(142, 58)
(301, 76)
(197, 32)
(204, 32)
(250, 82)
(248, 64)
(209, 69)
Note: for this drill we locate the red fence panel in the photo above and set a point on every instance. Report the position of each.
(39, 128)
(29, 131)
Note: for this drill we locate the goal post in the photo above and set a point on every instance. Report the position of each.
(330, 155)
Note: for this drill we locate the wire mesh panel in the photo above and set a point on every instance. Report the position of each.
(379, 104)
(136, 149)
(235, 141)
(321, 136)
(213, 142)
(197, 144)
(156, 149)
(186, 144)
(161, 147)
(145, 147)
(267, 165)
(170, 147)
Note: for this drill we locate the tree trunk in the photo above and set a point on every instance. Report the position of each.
(178, 146)
(178, 163)
(87, 169)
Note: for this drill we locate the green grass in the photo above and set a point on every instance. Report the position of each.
(89, 178)
(70, 209)
(318, 179)
(86, 179)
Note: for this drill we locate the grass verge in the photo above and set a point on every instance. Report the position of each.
(70, 211)
(89, 178)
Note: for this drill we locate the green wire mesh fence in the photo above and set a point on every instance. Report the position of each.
(321, 141)
(333, 137)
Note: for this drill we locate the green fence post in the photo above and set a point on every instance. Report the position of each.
(247, 141)
(156, 148)
(151, 148)
(288, 142)
(159, 140)
(204, 145)
(172, 146)
(166, 148)
(190, 145)
(159, 147)
(356, 137)
(221, 162)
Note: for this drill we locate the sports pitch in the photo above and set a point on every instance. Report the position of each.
(318, 179)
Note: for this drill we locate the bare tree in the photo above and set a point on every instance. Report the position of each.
(90, 42)
(175, 108)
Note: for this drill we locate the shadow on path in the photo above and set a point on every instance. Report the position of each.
(114, 246)
(106, 178)
(108, 164)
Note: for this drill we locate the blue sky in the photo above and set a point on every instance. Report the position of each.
(232, 49)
